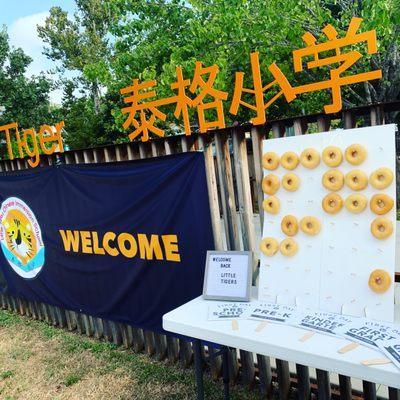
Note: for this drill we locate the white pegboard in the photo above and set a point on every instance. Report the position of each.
(331, 270)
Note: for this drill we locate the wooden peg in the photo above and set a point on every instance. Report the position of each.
(261, 326)
(376, 361)
(306, 336)
(235, 325)
(347, 348)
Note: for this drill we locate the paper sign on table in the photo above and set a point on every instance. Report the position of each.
(226, 311)
(391, 348)
(320, 321)
(279, 313)
(369, 333)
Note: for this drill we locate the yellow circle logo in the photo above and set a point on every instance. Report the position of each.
(21, 238)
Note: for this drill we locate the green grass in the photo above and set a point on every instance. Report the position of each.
(72, 379)
(6, 374)
(71, 360)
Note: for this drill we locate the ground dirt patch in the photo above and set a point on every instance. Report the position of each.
(39, 362)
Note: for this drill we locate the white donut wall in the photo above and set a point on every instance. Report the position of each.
(331, 270)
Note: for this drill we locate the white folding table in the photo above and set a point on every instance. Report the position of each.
(278, 341)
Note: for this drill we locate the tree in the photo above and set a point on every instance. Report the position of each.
(111, 42)
(80, 44)
(165, 34)
(384, 16)
(24, 100)
(84, 128)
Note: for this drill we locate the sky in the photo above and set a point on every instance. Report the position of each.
(21, 18)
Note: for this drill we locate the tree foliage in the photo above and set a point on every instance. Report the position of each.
(23, 100)
(111, 42)
(80, 43)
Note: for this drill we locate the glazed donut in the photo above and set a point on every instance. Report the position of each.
(270, 161)
(270, 184)
(356, 203)
(355, 154)
(310, 226)
(309, 158)
(381, 203)
(333, 180)
(289, 225)
(288, 247)
(289, 160)
(291, 182)
(271, 205)
(269, 246)
(356, 180)
(379, 281)
(332, 156)
(381, 178)
(381, 228)
(332, 203)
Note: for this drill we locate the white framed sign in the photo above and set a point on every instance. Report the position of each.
(228, 275)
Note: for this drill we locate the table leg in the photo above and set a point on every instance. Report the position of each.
(394, 394)
(324, 385)
(225, 372)
(282, 369)
(369, 389)
(198, 363)
(303, 382)
(345, 387)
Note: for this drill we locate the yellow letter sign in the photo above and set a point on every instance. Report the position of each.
(29, 141)
(141, 99)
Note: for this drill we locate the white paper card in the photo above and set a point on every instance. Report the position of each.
(226, 311)
(320, 321)
(391, 348)
(368, 332)
(278, 313)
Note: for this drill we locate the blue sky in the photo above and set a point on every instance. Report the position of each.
(21, 18)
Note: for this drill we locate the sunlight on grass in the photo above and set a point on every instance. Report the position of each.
(43, 362)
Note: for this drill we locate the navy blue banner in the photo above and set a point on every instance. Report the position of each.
(122, 241)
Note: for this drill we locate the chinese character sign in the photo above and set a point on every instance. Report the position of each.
(143, 108)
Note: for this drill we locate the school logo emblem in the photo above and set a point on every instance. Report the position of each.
(21, 238)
